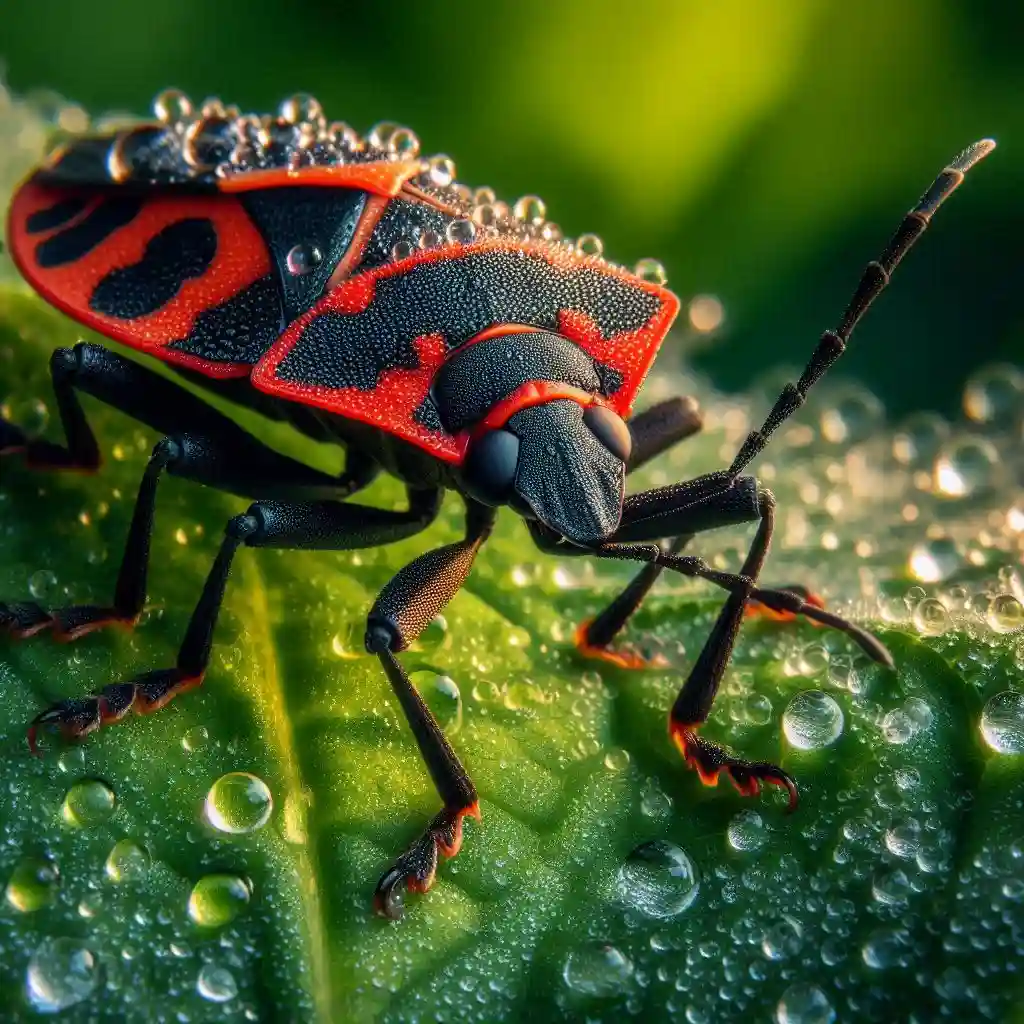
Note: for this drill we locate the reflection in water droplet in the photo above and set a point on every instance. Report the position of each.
(812, 720)
(217, 899)
(87, 803)
(930, 617)
(303, 258)
(746, 831)
(61, 973)
(804, 1004)
(658, 879)
(238, 802)
(441, 694)
(216, 984)
(33, 884)
(127, 861)
(598, 971)
(1002, 722)
(1005, 613)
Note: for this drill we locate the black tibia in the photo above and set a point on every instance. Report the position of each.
(318, 525)
(398, 616)
(657, 429)
(873, 281)
(215, 451)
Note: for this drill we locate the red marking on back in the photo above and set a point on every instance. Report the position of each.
(381, 177)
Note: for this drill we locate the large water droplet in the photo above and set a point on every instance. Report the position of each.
(746, 831)
(303, 259)
(804, 1004)
(1002, 722)
(658, 879)
(127, 861)
(598, 971)
(33, 884)
(216, 984)
(88, 802)
(61, 973)
(441, 694)
(216, 900)
(812, 720)
(930, 617)
(239, 802)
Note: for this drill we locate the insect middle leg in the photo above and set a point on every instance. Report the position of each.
(203, 445)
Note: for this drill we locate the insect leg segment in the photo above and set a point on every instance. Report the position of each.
(401, 612)
(317, 526)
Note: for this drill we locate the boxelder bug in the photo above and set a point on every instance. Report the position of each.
(357, 291)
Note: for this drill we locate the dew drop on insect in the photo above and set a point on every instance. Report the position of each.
(61, 973)
(402, 249)
(650, 270)
(616, 759)
(994, 394)
(33, 884)
(238, 802)
(745, 833)
(705, 313)
(441, 694)
(302, 107)
(87, 803)
(217, 984)
(303, 258)
(658, 879)
(804, 1004)
(172, 106)
(217, 899)
(812, 720)
(194, 738)
(530, 209)
(126, 862)
(429, 239)
(930, 617)
(918, 439)
(782, 940)
(1005, 613)
(441, 171)
(1002, 722)
(589, 245)
(935, 560)
(598, 970)
(965, 467)
(461, 231)
(42, 584)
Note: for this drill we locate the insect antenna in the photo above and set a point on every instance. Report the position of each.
(872, 283)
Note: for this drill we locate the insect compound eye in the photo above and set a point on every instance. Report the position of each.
(489, 471)
(610, 430)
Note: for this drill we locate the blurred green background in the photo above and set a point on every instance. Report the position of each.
(763, 152)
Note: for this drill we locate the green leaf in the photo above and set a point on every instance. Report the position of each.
(896, 889)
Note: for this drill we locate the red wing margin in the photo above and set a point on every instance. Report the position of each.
(369, 350)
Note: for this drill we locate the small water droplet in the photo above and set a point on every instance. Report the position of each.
(441, 171)
(850, 416)
(217, 899)
(127, 861)
(61, 973)
(965, 467)
(994, 394)
(616, 759)
(654, 802)
(598, 971)
(239, 802)
(812, 720)
(658, 879)
(402, 249)
(903, 839)
(303, 259)
(460, 231)
(589, 245)
(1005, 613)
(746, 832)
(87, 803)
(433, 637)
(882, 949)
(71, 760)
(782, 940)
(33, 884)
(650, 270)
(172, 106)
(804, 1004)
(757, 709)
(530, 209)
(898, 727)
(891, 888)
(930, 617)
(42, 584)
(907, 779)
(195, 738)
(216, 984)
(935, 560)
(1002, 722)
(441, 694)
(918, 439)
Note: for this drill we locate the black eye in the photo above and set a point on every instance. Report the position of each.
(610, 430)
(489, 472)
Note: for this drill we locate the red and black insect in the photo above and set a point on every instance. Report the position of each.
(357, 291)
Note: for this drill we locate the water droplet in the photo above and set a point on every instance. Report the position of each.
(650, 270)
(882, 949)
(935, 560)
(238, 802)
(597, 971)
(71, 760)
(301, 107)
(433, 637)
(303, 258)
(804, 1004)
(658, 879)
(918, 440)
(404, 144)
(930, 617)
(216, 984)
(61, 973)
(194, 738)
(530, 209)
(1005, 613)
(616, 759)
(705, 313)
(87, 803)
(1002, 722)
(42, 584)
(812, 720)
(589, 245)
(904, 838)
(898, 727)
(428, 239)
(782, 940)
(654, 802)
(907, 779)
(218, 899)
(402, 249)
(892, 888)
(33, 884)
(172, 106)
(746, 832)
(757, 709)
(442, 696)
(994, 394)
(127, 861)
(441, 171)
(461, 231)
(850, 416)
(965, 467)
